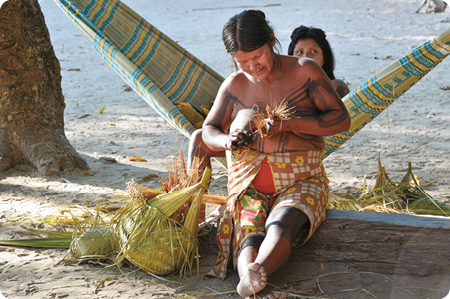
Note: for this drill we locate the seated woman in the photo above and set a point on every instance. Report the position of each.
(312, 43)
(277, 186)
(305, 42)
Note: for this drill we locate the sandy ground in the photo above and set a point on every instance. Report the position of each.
(366, 36)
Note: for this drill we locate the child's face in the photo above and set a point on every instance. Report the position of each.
(309, 48)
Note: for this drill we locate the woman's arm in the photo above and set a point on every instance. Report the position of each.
(219, 120)
(332, 116)
(340, 87)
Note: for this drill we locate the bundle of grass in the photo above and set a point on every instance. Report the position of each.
(261, 122)
(179, 176)
(136, 190)
(159, 234)
(388, 196)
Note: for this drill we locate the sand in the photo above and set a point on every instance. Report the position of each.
(366, 36)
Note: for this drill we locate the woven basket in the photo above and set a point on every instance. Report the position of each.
(94, 244)
(152, 239)
(163, 251)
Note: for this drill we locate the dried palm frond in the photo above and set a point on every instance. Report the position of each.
(205, 110)
(49, 239)
(381, 209)
(195, 118)
(138, 193)
(154, 241)
(388, 196)
(71, 221)
(261, 122)
(340, 202)
(179, 176)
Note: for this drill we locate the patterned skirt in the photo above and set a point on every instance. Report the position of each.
(298, 180)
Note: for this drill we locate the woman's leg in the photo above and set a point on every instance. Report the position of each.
(282, 226)
(248, 253)
(249, 284)
(199, 151)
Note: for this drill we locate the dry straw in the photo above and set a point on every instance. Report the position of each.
(261, 122)
(388, 196)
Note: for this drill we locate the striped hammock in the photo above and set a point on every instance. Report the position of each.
(166, 75)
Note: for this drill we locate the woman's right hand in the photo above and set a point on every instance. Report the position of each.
(234, 138)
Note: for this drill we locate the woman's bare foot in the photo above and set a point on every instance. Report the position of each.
(266, 294)
(252, 282)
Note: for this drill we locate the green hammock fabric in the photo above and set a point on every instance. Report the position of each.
(165, 74)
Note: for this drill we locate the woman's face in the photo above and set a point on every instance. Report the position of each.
(257, 63)
(309, 48)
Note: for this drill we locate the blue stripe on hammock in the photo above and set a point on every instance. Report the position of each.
(194, 89)
(133, 53)
(89, 9)
(155, 46)
(110, 17)
(153, 31)
(101, 13)
(134, 39)
(172, 81)
(185, 83)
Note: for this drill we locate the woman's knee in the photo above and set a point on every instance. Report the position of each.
(197, 137)
(286, 222)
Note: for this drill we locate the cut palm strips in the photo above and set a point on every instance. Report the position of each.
(388, 196)
(155, 236)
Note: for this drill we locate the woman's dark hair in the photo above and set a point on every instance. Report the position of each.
(320, 38)
(247, 32)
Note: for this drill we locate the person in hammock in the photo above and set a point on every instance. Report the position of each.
(305, 42)
(277, 186)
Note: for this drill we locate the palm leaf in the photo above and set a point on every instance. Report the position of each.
(151, 238)
(39, 242)
(388, 196)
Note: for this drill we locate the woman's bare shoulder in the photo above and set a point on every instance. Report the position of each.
(303, 66)
(235, 80)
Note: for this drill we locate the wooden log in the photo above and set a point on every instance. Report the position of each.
(382, 243)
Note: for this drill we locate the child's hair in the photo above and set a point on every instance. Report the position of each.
(319, 36)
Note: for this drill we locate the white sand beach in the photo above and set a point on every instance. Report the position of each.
(366, 36)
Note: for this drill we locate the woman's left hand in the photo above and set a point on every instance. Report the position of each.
(275, 126)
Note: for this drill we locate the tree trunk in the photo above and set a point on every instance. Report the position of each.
(31, 100)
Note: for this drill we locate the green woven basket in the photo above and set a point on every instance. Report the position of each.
(94, 244)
